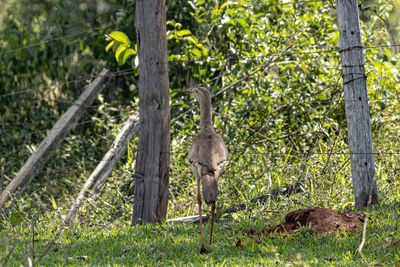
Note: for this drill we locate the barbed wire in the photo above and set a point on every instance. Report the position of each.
(292, 103)
(12, 50)
(44, 131)
(292, 3)
(325, 153)
(91, 76)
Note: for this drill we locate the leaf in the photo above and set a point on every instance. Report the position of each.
(244, 25)
(203, 50)
(235, 216)
(120, 37)
(120, 50)
(182, 33)
(196, 52)
(125, 55)
(53, 202)
(225, 5)
(171, 22)
(189, 38)
(110, 45)
(200, 2)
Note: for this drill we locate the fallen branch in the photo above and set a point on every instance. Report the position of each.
(106, 165)
(288, 190)
(364, 232)
(102, 170)
(46, 148)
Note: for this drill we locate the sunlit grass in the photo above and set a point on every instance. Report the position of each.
(121, 245)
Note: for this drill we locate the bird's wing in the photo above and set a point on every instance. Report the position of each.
(209, 150)
(208, 156)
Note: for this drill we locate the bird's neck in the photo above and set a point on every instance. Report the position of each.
(206, 115)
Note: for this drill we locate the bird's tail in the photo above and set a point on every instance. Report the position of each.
(209, 187)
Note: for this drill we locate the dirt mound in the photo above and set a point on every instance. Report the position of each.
(318, 220)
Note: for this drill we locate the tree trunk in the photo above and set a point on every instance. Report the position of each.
(356, 101)
(152, 162)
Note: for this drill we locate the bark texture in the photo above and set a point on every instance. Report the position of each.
(356, 98)
(152, 163)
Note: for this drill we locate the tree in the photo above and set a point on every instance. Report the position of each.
(152, 162)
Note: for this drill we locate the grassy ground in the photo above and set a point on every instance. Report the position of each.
(102, 235)
(118, 244)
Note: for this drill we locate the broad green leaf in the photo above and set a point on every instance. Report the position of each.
(191, 39)
(125, 55)
(203, 50)
(183, 33)
(109, 45)
(196, 52)
(120, 50)
(171, 22)
(120, 37)
(200, 2)
(225, 5)
(244, 25)
(171, 35)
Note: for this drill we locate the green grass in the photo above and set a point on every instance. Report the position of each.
(103, 234)
(118, 244)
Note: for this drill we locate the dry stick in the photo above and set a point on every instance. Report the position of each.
(231, 209)
(364, 232)
(106, 165)
(102, 170)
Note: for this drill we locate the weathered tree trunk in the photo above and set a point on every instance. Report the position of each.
(52, 140)
(152, 162)
(356, 98)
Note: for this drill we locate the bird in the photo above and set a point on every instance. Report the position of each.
(208, 156)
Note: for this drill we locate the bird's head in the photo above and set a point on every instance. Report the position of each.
(201, 94)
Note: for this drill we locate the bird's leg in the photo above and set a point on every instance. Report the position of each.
(212, 220)
(203, 247)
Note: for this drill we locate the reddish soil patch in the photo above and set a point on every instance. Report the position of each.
(321, 221)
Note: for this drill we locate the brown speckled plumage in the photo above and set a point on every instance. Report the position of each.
(207, 155)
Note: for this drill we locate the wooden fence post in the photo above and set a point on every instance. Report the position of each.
(356, 103)
(152, 161)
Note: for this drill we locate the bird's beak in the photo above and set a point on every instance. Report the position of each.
(189, 91)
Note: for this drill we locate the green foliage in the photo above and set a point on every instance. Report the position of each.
(120, 43)
(281, 113)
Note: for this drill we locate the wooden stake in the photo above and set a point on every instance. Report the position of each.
(357, 110)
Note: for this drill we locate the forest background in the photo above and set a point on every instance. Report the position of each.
(283, 119)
